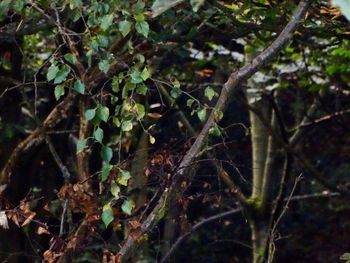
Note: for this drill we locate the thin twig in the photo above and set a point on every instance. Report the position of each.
(196, 227)
(274, 227)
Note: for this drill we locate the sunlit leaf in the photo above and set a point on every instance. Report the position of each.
(145, 74)
(152, 140)
(115, 190)
(123, 177)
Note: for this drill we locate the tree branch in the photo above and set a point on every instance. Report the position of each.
(196, 227)
(235, 78)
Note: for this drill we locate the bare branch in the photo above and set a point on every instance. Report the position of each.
(196, 227)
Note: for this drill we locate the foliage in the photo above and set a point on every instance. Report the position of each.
(115, 92)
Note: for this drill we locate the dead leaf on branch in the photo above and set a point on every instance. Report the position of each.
(51, 256)
(78, 199)
(135, 224)
(21, 216)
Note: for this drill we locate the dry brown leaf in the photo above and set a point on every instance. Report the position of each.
(29, 218)
(135, 224)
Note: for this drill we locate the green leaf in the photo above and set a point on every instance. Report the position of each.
(90, 114)
(79, 86)
(81, 145)
(202, 114)
(106, 154)
(103, 113)
(160, 6)
(127, 206)
(106, 22)
(138, 6)
(115, 190)
(139, 17)
(189, 102)
(61, 75)
(124, 27)
(127, 87)
(126, 126)
(107, 214)
(59, 91)
(140, 111)
(123, 177)
(196, 4)
(115, 84)
(52, 72)
(136, 76)
(344, 6)
(127, 106)
(142, 27)
(141, 89)
(98, 134)
(18, 5)
(102, 41)
(210, 93)
(4, 6)
(218, 115)
(175, 93)
(145, 74)
(106, 169)
(104, 66)
(70, 58)
(215, 131)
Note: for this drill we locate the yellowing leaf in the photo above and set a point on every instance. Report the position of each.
(152, 140)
